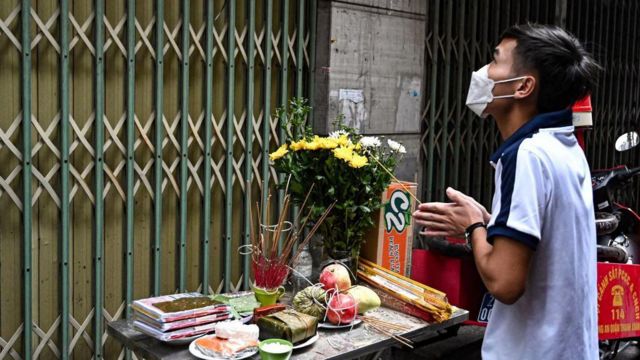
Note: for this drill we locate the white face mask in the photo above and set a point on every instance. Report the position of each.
(481, 90)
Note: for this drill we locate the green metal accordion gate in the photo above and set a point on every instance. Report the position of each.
(132, 136)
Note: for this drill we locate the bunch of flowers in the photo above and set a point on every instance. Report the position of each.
(345, 168)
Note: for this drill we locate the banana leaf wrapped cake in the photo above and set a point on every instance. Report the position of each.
(290, 325)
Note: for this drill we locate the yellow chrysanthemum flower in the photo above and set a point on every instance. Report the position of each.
(282, 151)
(343, 153)
(313, 145)
(298, 145)
(328, 143)
(358, 161)
(343, 140)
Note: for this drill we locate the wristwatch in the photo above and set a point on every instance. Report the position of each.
(469, 231)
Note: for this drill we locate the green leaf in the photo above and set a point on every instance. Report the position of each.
(296, 187)
(364, 209)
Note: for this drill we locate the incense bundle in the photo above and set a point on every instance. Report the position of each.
(402, 288)
(272, 253)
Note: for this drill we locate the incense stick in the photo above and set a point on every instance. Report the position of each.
(270, 261)
(396, 180)
(401, 339)
(390, 325)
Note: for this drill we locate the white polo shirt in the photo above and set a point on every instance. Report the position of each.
(543, 198)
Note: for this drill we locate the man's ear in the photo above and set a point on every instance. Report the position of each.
(526, 87)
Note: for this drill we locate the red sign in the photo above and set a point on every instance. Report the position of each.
(618, 302)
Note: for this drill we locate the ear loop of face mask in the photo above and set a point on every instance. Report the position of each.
(504, 81)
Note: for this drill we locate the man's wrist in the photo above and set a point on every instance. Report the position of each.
(468, 232)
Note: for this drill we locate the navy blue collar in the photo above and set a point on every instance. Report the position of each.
(547, 120)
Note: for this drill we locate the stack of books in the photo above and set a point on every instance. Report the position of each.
(179, 316)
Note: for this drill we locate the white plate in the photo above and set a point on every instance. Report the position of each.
(193, 349)
(311, 340)
(328, 325)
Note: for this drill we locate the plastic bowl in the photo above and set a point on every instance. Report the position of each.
(271, 355)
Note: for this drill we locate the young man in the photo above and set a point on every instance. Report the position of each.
(536, 252)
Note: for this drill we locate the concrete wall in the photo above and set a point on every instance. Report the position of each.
(408, 6)
(370, 58)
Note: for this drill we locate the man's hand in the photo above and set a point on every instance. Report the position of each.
(450, 219)
(485, 214)
(503, 267)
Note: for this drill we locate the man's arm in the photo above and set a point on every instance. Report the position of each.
(503, 267)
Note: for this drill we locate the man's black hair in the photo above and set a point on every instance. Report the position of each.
(566, 71)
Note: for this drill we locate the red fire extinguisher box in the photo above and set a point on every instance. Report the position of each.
(457, 277)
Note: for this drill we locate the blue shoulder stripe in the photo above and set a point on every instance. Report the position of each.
(507, 180)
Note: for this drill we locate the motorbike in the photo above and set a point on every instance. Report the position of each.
(617, 225)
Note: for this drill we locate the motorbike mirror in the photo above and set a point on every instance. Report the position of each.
(627, 141)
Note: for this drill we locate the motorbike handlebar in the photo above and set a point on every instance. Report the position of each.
(624, 175)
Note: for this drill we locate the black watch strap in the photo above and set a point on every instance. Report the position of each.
(468, 231)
